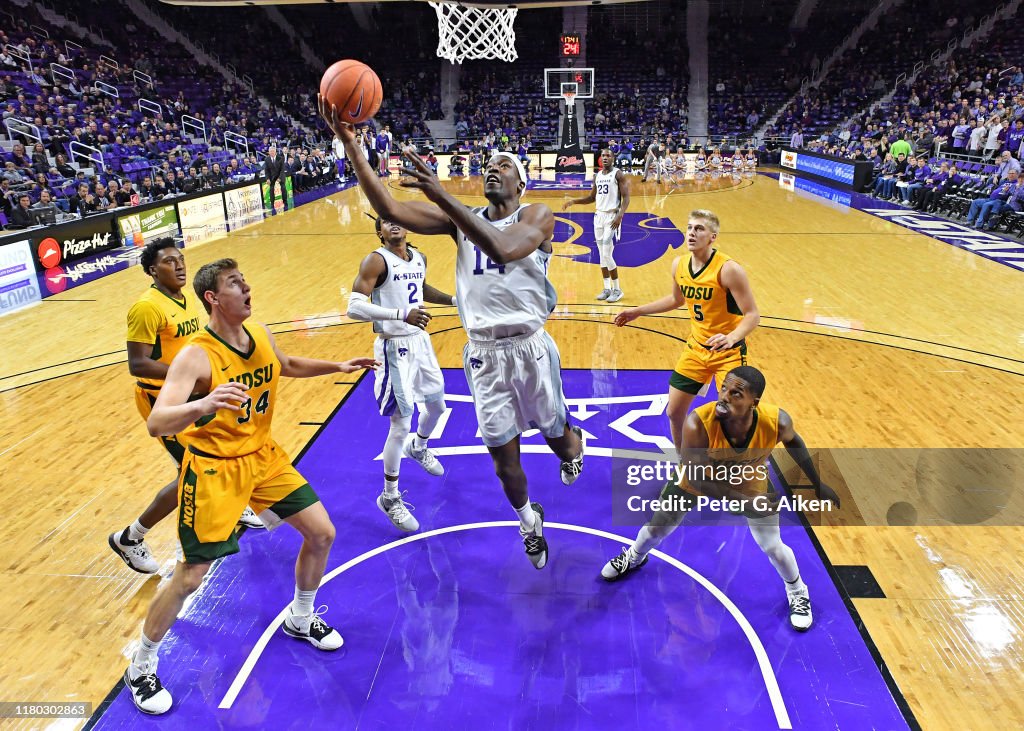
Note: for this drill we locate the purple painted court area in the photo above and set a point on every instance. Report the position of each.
(458, 630)
(645, 238)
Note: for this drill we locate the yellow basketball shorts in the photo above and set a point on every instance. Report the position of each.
(145, 397)
(213, 493)
(697, 365)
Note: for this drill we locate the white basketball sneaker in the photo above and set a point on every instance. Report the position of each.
(615, 296)
(148, 693)
(396, 509)
(424, 457)
(800, 617)
(605, 294)
(318, 633)
(250, 520)
(134, 553)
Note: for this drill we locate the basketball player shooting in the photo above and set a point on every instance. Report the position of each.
(512, 365)
(610, 190)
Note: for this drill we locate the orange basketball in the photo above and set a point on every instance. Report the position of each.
(353, 88)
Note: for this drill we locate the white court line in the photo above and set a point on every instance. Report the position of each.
(770, 681)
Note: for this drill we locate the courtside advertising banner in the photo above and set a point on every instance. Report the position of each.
(277, 204)
(18, 284)
(244, 206)
(202, 218)
(138, 229)
(67, 242)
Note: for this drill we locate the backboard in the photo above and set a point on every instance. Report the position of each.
(558, 81)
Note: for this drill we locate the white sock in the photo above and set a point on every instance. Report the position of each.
(615, 285)
(390, 488)
(607, 282)
(645, 542)
(796, 586)
(526, 516)
(302, 608)
(137, 531)
(419, 443)
(144, 656)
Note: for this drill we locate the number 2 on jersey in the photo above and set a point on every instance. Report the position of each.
(490, 264)
(413, 291)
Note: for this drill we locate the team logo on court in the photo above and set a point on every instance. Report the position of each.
(644, 237)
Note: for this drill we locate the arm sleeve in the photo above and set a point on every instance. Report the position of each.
(360, 308)
(144, 322)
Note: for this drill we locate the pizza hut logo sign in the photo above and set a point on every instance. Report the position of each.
(49, 253)
(77, 247)
(570, 160)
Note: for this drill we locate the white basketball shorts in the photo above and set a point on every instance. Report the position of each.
(409, 375)
(516, 385)
(602, 227)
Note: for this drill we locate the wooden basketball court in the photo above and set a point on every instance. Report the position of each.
(872, 336)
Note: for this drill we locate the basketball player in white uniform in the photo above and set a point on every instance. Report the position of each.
(611, 192)
(512, 365)
(389, 291)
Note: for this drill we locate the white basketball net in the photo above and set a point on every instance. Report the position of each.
(474, 33)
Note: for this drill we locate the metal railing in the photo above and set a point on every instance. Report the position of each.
(146, 105)
(105, 88)
(62, 71)
(76, 149)
(39, 30)
(68, 45)
(237, 141)
(112, 63)
(142, 78)
(18, 54)
(195, 123)
(20, 127)
(248, 80)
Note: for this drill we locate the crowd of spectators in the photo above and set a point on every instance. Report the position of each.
(121, 152)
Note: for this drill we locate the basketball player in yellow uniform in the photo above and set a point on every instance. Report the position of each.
(722, 314)
(231, 462)
(736, 431)
(160, 323)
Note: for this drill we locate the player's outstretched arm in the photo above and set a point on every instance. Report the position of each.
(416, 216)
(190, 372)
(796, 448)
(735, 280)
(673, 300)
(536, 224)
(293, 367)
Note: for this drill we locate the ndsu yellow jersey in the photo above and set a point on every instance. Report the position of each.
(712, 308)
(754, 452)
(236, 433)
(165, 323)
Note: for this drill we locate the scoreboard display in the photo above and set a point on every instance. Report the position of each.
(570, 45)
